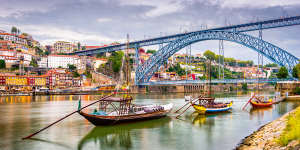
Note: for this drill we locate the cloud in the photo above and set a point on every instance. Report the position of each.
(157, 7)
(17, 8)
(50, 34)
(254, 4)
(102, 20)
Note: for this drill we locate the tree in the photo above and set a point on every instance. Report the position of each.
(78, 46)
(88, 74)
(14, 29)
(116, 60)
(210, 55)
(76, 74)
(47, 53)
(33, 63)
(244, 86)
(149, 51)
(180, 71)
(282, 73)
(296, 71)
(38, 50)
(72, 67)
(2, 64)
(25, 34)
(271, 65)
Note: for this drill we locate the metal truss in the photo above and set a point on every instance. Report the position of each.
(261, 25)
(228, 81)
(279, 56)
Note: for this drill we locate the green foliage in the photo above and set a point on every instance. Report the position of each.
(72, 67)
(59, 66)
(116, 60)
(76, 74)
(83, 48)
(179, 71)
(292, 129)
(296, 91)
(25, 34)
(47, 53)
(271, 65)
(88, 74)
(230, 61)
(2, 64)
(33, 63)
(151, 51)
(78, 45)
(245, 86)
(210, 55)
(296, 71)
(62, 54)
(282, 73)
(14, 30)
(38, 50)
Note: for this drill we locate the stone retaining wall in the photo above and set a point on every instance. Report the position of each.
(264, 137)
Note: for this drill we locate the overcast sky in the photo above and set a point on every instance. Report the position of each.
(97, 22)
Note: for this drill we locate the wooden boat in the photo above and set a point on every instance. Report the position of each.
(259, 102)
(207, 105)
(122, 110)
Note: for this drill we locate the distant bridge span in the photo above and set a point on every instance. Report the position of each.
(279, 56)
(260, 25)
(230, 33)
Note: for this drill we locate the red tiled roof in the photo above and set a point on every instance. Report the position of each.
(7, 56)
(6, 50)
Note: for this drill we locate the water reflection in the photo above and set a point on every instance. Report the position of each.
(118, 136)
(21, 115)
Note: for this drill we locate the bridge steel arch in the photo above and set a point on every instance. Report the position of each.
(279, 56)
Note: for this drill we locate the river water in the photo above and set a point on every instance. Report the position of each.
(22, 115)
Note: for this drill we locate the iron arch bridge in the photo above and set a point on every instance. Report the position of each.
(279, 56)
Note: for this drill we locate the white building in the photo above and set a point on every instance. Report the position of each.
(56, 61)
(98, 61)
(26, 57)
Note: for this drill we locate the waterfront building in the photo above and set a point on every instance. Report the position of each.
(63, 47)
(61, 78)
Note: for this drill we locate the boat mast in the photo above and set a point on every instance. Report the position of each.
(127, 65)
(209, 77)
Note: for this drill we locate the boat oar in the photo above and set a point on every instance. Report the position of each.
(248, 101)
(185, 105)
(31, 135)
(183, 111)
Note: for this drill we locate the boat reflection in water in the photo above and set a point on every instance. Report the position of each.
(118, 136)
(260, 112)
(207, 119)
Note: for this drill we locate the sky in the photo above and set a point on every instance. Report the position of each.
(98, 22)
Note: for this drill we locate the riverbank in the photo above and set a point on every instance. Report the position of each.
(293, 98)
(265, 137)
